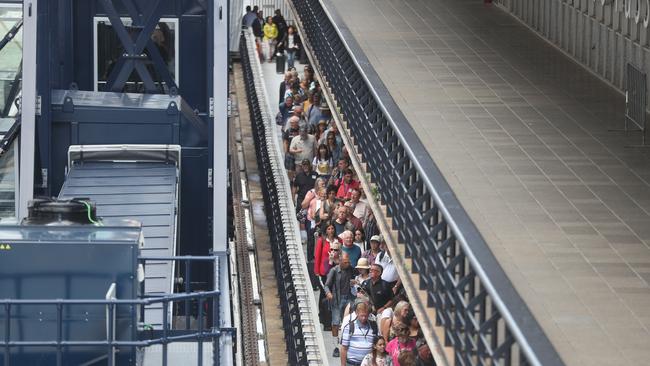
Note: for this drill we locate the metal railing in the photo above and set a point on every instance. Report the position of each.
(484, 318)
(635, 99)
(163, 337)
(302, 331)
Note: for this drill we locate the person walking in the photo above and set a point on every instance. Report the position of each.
(270, 37)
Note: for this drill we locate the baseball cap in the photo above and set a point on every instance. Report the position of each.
(376, 238)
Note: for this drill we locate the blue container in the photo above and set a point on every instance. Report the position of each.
(69, 262)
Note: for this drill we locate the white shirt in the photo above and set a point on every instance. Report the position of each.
(390, 272)
(290, 43)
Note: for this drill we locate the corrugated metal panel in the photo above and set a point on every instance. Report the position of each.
(146, 192)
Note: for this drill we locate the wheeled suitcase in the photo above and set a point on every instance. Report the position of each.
(280, 61)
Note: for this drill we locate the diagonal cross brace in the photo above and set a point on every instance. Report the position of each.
(133, 58)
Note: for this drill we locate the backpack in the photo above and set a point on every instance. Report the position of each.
(373, 326)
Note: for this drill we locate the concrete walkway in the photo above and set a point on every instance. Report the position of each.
(521, 133)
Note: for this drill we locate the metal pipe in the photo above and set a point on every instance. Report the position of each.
(187, 291)
(59, 334)
(200, 345)
(171, 298)
(165, 326)
(7, 333)
(10, 34)
(111, 311)
(183, 257)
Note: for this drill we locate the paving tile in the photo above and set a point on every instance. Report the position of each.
(520, 133)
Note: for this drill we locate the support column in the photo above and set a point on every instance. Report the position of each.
(25, 189)
(220, 168)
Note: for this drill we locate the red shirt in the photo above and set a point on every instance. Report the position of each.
(322, 257)
(345, 189)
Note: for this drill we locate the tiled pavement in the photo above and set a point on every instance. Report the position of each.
(521, 133)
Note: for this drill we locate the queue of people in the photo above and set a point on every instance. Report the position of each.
(361, 298)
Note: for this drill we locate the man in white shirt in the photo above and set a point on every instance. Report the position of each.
(390, 271)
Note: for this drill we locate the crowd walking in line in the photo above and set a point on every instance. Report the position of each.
(361, 298)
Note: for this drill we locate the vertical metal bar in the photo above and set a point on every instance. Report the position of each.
(187, 290)
(28, 106)
(111, 314)
(165, 331)
(217, 342)
(7, 350)
(59, 333)
(200, 345)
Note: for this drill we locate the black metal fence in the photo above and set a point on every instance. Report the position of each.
(635, 99)
(485, 320)
(291, 316)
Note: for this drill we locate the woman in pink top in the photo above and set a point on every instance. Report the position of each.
(401, 343)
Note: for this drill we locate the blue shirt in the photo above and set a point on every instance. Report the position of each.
(354, 252)
(360, 342)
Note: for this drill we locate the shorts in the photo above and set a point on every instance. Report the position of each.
(338, 310)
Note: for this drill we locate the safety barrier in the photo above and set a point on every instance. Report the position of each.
(484, 318)
(302, 331)
(163, 337)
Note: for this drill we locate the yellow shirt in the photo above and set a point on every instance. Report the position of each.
(270, 31)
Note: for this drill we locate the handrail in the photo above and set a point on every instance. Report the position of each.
(438, 233)
(155, 300)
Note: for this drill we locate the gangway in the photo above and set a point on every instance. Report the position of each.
(137, 183)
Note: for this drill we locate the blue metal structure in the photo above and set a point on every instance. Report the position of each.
(73, 263)
(156, 87)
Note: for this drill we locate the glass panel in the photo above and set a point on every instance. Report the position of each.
(8, 186)
(10, 56)
(110, 49)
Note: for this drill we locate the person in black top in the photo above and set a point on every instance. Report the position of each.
(257, 27)
(279, 21)
(304, 181)
(379, 291)
(289, 42)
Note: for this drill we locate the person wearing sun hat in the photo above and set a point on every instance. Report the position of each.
(363, 270)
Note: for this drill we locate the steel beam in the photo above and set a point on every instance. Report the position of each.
(219, 16)
(25, 189)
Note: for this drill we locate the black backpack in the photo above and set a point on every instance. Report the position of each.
(373, 326)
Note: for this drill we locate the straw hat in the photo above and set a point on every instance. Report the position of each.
(362, 264)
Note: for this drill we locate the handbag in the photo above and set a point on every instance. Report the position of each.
(279, 119)
(289, 161)
(301, 216)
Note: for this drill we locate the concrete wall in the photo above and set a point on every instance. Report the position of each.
(603, 35)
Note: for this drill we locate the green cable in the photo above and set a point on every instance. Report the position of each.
(89, 209)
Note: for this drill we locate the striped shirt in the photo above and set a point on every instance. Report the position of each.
(359, 343)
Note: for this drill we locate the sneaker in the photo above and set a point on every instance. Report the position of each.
(336, 352)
